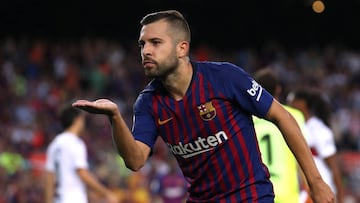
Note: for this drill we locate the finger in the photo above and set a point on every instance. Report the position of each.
(79, 103)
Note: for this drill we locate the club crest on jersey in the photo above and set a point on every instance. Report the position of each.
(207, 111)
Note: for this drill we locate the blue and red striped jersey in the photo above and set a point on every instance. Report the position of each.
(210, 132)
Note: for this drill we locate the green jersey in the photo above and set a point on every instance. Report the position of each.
(279, 159)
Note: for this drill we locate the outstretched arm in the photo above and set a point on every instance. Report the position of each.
(320, 191)
(133, 152)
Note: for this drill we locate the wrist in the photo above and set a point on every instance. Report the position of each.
(114, 116)
(314, 181)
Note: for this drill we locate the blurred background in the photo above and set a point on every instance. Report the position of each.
(52, 52)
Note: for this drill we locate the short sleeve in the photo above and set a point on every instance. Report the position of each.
(49, 164)
(325, 143)
(144, 127)
(247, 92)
(79, 154)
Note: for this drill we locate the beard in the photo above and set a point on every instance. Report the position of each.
(162, 70)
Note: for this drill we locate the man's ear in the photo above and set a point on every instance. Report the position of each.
(183, 49)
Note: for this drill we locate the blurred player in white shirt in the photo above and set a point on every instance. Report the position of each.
(319, 136)
(67, 173)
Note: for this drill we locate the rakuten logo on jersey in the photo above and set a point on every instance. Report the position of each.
(255, 89)
(199, 146)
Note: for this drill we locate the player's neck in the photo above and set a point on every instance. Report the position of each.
(74, 129)
(178, 83)
(307, 115)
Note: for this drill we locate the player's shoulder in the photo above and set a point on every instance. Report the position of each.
(152, 86)
(68, 138)
(219, 70)
(318, 124)
(57, 141)
(215, 65)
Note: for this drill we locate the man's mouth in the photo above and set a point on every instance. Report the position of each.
(148, 62)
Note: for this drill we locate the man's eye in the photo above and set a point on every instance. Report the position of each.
(141, 44)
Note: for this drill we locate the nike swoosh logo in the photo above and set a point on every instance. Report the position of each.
(162, 122)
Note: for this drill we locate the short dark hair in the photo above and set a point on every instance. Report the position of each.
(67, 115)
(316, 101)
(267, 78)
(173, 17)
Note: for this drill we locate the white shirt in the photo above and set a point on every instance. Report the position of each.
(321, 142)
(65, 154)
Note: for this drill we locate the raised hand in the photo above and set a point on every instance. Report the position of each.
(100, 106)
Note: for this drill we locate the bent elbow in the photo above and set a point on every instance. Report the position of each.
(135, 163)
(135, 158)
(135, 167)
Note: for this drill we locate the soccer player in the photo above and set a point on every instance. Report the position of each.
(276, 155)
(203, 111)
(67, 174)
(320, 137)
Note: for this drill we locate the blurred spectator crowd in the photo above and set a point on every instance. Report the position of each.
(37, 76)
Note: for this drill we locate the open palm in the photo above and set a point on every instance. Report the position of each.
(100, 106)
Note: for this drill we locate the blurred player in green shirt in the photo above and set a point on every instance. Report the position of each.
(283, 168)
